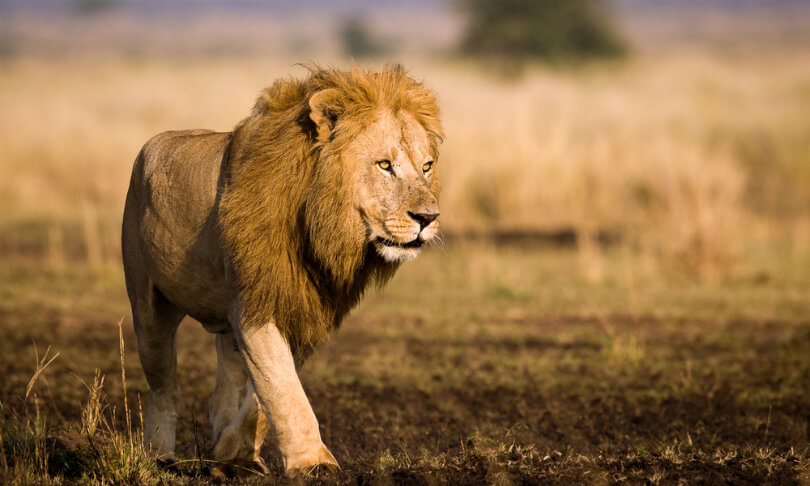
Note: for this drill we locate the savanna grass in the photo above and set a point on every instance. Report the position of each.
(36, 451)
(692, 161)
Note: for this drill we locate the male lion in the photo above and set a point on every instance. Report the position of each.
(268, 236)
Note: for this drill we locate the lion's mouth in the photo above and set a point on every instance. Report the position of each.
(416, 243)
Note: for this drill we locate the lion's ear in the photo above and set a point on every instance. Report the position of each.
(324, 108)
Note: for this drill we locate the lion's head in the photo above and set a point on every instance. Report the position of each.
(336, 174)
(382, 130)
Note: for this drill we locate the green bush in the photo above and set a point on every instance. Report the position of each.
(519, 30)
(358, 42)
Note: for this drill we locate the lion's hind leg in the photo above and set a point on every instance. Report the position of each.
(156, 320)
(239, 429)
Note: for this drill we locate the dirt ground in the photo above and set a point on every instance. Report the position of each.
(475, 366)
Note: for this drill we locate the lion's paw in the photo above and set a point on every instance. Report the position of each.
(226, 470)
(307, 464)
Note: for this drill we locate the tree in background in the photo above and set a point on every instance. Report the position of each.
(519, 30)
(93, 6)
(358, 42)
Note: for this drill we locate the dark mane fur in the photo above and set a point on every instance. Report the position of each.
(297, 246)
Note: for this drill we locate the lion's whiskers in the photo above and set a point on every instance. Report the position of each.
(438, 242)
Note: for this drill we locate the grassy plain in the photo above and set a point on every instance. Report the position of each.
(477, 365)
(690, 158)
(679, 351)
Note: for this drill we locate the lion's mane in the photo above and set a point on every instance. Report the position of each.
(288, 222)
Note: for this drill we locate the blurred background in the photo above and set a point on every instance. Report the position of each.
(623, 289)
(676, 128)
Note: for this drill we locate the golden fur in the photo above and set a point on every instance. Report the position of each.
(296, 244)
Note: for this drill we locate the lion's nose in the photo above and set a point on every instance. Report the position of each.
(423, 219)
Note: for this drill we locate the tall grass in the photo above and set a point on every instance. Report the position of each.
(689, 159)
(34, 451)
(23, 436)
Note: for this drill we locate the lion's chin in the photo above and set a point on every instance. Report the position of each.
(396, 253)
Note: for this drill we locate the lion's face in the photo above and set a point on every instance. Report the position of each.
(396, 185)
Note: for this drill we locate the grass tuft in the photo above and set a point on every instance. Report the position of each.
(33, 451)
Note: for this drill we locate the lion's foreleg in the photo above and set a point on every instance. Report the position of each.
(231, 385)
(272, 371)
(238, 432)
(241, 441)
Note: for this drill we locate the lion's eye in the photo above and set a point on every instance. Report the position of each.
(384, 164)
(426, 166)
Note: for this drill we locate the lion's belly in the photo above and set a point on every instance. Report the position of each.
(207, 305)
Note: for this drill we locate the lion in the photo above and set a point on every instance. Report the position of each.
(268, 235)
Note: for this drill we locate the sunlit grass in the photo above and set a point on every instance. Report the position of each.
(689, 160)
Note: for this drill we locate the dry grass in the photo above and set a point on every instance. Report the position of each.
(97, 450)
(35, 450)
(690, 159)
